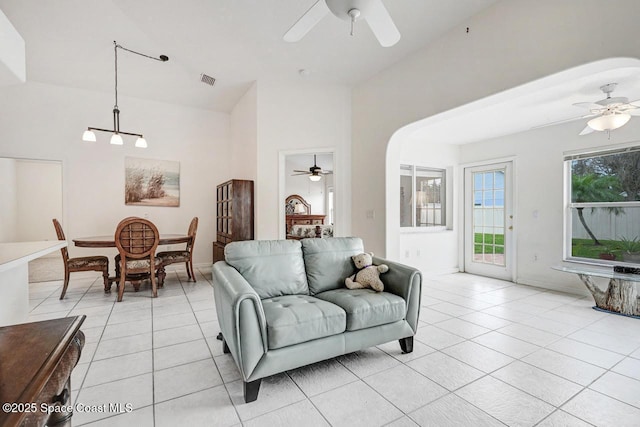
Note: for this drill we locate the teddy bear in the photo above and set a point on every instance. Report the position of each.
(368, 275)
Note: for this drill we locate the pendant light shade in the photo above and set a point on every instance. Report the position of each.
(315, 178)
(609, 121)
(89, 136)
(141, 142)
(116, 138)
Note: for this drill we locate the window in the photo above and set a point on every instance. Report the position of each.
(603, 211)
(422, 197)
(488, 216)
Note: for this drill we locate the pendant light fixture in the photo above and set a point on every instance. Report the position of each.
(116, 138)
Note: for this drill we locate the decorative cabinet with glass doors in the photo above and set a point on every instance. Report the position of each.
(234, 214)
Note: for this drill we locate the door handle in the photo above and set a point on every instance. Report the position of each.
(511, 227)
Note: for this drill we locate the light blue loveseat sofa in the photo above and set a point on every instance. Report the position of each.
(282, 304)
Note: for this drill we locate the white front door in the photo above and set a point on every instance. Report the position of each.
(488, 235)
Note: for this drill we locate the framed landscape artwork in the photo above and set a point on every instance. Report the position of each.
(151, 182)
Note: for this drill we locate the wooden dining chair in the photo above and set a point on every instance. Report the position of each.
(137, 240)
(174, 257)
(87, 263)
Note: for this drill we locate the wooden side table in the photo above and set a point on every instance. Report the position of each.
(36, 360)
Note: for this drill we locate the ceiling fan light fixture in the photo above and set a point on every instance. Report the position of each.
(371, 11)
(609, 121)
(315, 178)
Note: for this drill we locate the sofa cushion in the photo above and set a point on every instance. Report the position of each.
(328, 261)
(365, 307)
(272, 267)
(294, 319)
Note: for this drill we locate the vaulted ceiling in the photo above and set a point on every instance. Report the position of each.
(70, 43)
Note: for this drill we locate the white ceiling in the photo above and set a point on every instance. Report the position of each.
(536, 104)
(70, 43)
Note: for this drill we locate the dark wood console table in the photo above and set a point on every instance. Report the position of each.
(36, 360)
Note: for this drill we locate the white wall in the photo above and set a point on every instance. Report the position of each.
(430, 251)
(539, 184)
(8, 201)
(293, 117)
(39, 198)
(13, 68)
(41, 121)
(244, 136)
(509, 44)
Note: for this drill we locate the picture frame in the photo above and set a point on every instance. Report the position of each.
(150, 182)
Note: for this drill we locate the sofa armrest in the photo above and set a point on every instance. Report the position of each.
(241, 317)
(405, 282)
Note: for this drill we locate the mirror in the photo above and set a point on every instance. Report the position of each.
(316, 194)
(31, 195)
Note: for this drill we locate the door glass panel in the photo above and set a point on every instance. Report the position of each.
(488, 217)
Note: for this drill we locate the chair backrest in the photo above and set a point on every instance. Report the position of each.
(136, 238)
(60, 234)
(193, 227)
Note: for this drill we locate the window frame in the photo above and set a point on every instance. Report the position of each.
(569, 205)
(413, 169)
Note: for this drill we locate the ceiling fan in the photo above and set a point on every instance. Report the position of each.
(372, 11)
(315, 172)
(609, 113)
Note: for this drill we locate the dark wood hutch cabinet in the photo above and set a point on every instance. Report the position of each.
(234, 214)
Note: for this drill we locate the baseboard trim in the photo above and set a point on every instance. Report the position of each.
(552, 286)
(181, 267)
(442, 272)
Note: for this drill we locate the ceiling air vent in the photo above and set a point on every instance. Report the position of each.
(207, 79)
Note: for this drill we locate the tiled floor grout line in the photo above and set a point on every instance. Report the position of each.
(362, 379)
(485, 374)
(306, 397)
(606, 370)
(153, 369)
(223, 384)
(94, 354)
(523, 361)
(524, 311)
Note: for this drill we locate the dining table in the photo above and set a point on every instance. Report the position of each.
(110, 242)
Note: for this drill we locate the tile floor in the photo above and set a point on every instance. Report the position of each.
(487, 353)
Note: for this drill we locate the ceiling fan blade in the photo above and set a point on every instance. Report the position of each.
(327, 172)
(381, 24)
(295, 170)
(302, 173)
(306, 22)
(585, 131)
(588, 105)
(627, 108)
(557, 122)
